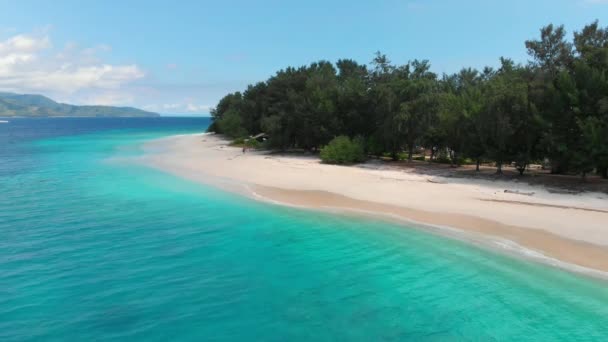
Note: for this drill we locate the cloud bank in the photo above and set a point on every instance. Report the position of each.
(30, 63)
(27, 64)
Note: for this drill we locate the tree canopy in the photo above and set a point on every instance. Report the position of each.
(553, 109)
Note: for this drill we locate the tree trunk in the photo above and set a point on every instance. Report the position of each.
(555, 167)
(499, 168)
(410, 153)
(521, 170)
(451, 158)
(603, 171)
(477, 164)
(559, 167)
(454, 159)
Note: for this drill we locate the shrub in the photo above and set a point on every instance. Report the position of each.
(238, 141)
(252, 143)
(374, 147)
(246, 142)
(231, 125)
(343, 150)
(442, 159)
(420, 158)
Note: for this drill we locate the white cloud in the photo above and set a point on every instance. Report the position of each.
(194, 108)
(109, 98)
(21, 44)
(69, 73)
(179, 108)
(27, 64)
(171, 106)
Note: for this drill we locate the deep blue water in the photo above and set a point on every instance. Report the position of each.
(95, 247)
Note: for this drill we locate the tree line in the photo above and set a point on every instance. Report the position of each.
(553, 109)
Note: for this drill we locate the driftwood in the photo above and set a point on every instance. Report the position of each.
(435, 181)
(564, 191)
(517, 192)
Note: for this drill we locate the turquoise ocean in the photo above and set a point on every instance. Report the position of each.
(94, 247)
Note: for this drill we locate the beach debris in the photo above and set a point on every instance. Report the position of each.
(434, 181)
(260, 137)
(564, 191)
(517, 192)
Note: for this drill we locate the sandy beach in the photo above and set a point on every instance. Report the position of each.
(567, 230)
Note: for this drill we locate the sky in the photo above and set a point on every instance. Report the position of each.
(181, 57)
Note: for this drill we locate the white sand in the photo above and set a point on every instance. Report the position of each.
(581, 219)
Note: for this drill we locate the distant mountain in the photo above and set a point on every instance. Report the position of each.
(41, 106)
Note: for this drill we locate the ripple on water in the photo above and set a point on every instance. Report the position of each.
(97, 251)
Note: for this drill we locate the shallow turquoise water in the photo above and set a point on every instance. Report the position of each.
(96, 247)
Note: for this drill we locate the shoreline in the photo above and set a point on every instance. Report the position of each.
(208, 159)
(480, 235)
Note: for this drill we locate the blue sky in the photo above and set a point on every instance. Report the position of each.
(181, 57)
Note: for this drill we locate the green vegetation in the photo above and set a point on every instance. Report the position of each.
(245, 142)
(343, 150)
(554, 109)
(40, 106)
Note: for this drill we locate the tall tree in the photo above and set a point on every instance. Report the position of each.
(352, 103)
(552, 52)
(506, 103)
(418, 103)
(555, 109)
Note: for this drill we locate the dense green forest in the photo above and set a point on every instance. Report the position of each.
(552, 110)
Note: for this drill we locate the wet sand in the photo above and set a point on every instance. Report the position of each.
(567, 230)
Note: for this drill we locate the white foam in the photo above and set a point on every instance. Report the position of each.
(503, 245)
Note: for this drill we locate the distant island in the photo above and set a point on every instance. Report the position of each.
(33, 105)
